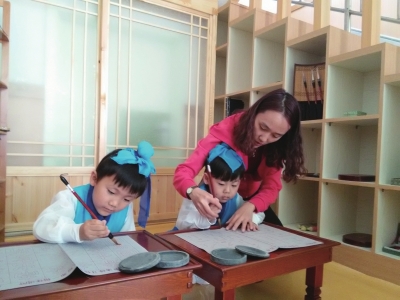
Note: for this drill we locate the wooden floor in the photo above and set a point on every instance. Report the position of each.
(339, 282)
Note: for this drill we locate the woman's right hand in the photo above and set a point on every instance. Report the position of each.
(203, 201)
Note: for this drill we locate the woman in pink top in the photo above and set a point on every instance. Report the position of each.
(267, 137)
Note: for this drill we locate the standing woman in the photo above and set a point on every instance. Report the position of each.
(267, 137)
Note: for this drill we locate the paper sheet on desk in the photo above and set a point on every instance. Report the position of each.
(28, 265)
(267, 238)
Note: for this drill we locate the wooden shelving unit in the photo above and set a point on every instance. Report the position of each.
(256, 53)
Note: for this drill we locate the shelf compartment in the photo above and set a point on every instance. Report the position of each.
(389, 166)
(219, 109)
(353, 83)
(220, 75)
(239, 60)
(349, 149)
(298, 203)
(303, 51)
(269, 49)
(312, 148)
(222, 25)
(346, 209)
(244, 22)
(245, 96)
(388, 218)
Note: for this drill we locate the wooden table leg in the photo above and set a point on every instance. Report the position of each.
(227, 295)
(314, 282)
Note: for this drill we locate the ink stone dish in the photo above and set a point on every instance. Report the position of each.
(139, 262)
(172, 259)
(228, 257)
(251, 251)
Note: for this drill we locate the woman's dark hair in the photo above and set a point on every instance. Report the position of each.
(287, 152)
(221, 170)
(126, 176)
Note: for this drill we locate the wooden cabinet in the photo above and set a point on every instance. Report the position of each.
(258, 56)
(4, 34)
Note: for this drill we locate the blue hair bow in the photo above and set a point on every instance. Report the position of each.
(229, 155)
(141, 157)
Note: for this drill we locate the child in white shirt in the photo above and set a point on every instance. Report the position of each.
(121, 176)
(227, 169)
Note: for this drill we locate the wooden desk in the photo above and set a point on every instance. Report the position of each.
(151, 284)
(226, 278)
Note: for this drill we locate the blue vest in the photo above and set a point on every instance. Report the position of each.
(116, 220)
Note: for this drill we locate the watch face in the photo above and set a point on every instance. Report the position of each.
(189, 190)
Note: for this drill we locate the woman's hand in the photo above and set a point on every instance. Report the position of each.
(243, 218)
(203, 202)
(93, 229)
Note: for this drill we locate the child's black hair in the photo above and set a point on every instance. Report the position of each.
(221, 170)
(126, 176)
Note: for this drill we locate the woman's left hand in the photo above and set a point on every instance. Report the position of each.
(243, 218)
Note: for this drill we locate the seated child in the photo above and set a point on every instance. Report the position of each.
(227, 168)
(121, 176)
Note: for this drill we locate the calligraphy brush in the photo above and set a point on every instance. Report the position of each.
(313, 85)
(209, 175)
(305, 86)
(85, 206)
(320, 86)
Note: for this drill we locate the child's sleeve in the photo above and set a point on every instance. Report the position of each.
(189, 217)
(56, 223)
(258, 218)
(129, 224)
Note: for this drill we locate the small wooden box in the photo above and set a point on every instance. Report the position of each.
(357, 177)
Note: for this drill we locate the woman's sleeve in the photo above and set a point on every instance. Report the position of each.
(188, 170)
(56, 223)
(189, 217)
(269, 189)
(129, 224)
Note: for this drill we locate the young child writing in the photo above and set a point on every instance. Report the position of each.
(121, 176)
(226, 168)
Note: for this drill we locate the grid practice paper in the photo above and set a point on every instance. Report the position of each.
(267, 238)
(28, 265)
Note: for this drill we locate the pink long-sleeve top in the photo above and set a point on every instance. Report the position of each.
(267, 181)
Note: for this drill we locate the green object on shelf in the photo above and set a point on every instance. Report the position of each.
(393, 249)
(354, 113)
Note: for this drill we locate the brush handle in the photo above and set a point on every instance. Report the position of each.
(209, 175)
(81, 201)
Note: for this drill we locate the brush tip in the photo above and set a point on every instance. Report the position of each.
(115, 241)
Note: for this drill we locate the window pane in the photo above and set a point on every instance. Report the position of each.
(55, 81)
(157, 70)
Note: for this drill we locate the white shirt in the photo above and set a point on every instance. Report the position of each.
(56, 223)
(189, 216)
